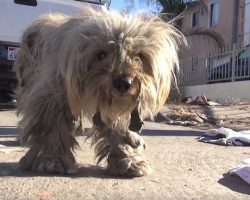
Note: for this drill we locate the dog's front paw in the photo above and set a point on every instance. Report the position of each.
(138, 169)
(134, 166)
(49, 164)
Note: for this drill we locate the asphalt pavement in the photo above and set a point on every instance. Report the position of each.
(183, 168)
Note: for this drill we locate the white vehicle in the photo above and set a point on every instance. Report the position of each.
(15, 16)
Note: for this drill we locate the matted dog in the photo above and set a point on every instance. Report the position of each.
(113, 69)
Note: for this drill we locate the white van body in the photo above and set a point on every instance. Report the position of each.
(14, 18)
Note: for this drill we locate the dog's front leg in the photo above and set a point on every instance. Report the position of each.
(123, 149)
(126, 155)
(47, 127)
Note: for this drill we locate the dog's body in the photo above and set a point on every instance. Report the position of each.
(99, 65)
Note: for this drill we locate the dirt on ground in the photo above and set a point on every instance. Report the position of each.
(183, 168)
(204, 117)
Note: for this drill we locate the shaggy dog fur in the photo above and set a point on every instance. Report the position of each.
(112, 69)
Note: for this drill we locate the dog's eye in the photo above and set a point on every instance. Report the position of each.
(141, 56)
(101, 55)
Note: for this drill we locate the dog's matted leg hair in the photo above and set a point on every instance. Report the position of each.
(47, 127)
(123, 149)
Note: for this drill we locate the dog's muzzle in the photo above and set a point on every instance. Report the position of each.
(122, 85)
(125, 86)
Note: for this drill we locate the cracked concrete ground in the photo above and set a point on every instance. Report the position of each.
(183, 169)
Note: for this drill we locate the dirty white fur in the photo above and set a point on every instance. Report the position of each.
(66, 67)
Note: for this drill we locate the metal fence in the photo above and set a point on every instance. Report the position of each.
(222, 66)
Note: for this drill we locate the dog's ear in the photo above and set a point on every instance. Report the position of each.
(73, 92)
(161, 43)
(75, 107)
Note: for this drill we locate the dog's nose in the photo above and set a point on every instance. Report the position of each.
(122, 84)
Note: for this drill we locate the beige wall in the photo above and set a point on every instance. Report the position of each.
(246, 24)
(225, 18)
(203, 45)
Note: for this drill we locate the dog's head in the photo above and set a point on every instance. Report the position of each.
(115, 63)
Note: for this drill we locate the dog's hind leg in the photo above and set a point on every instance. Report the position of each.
(47, 127)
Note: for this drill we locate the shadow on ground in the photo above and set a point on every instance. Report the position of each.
(149, 132)
(84, 171)
(234, 183)
(12, 131)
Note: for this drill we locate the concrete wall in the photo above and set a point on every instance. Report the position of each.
(222, 92)
(225, 24)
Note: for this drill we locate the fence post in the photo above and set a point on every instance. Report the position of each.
(233, 61)
(208, 67)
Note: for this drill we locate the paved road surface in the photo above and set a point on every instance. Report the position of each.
(183, 169)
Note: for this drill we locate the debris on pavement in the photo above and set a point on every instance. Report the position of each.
(204, 117)
(226, 136)
(185, 116)
(200, 100)
(178, 119)
(242, 170)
